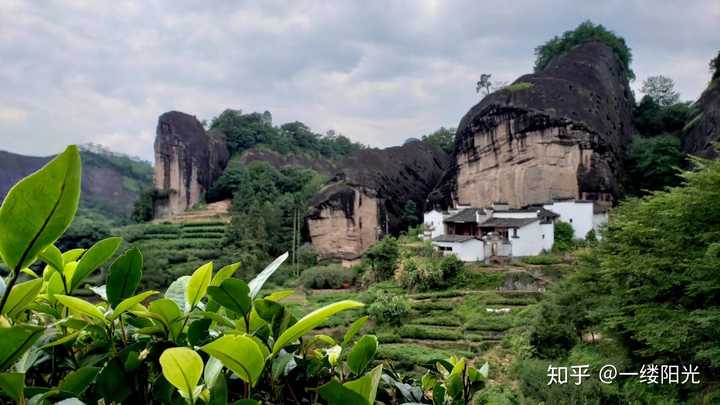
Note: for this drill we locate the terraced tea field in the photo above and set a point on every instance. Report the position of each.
(469, 321)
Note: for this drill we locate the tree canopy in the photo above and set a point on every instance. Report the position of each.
(443, 138)
(661, 89)
(245, 131)
(585, 32)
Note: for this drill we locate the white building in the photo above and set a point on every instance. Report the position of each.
(466, 247)
(475, 234)
(583, 215)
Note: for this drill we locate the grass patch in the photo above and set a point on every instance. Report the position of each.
(518, 87)
(480, 280)
(426, 332)
(544, 260)
(408, 354)
(441, 320)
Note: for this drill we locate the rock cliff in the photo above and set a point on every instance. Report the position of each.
(110, 182)
(703, 131)
(367, 196)
(187, 161)
(559, 133)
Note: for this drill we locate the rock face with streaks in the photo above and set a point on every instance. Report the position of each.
(559, 133)
(366, 198)
(187, 161)
(703, 131)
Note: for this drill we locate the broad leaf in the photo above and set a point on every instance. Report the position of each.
(38, 209)
(257, 283)
(198, 285)
(53, 257)
(213, 369)
(367, 385)
(81, 306)
(224, 274)
(169, 313)
(113, 383)
(72, 255)
(233, 294)
(182, 367)
(124, 276)
(176, 291)
(311, 321)
(21, 296)
(129, 303)
(95, 257)
(354, 329)
(337, 394)
(13, 385)
(79, 380)
(240, 354)
(14, 341)
(362, 354)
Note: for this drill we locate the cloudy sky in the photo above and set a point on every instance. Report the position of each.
(74, 71)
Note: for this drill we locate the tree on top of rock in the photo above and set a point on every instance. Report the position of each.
(661, 89)
(585, 32)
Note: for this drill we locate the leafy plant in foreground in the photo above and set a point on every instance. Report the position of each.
(209, 338)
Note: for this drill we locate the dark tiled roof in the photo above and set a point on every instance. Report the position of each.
(453, 238)
(507, 222)
(466, 215)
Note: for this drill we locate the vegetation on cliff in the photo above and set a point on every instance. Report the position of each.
(585, 32)
(245, 131)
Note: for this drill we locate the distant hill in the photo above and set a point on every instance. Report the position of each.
(110, 185)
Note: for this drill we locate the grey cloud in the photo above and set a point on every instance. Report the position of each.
(380, 72)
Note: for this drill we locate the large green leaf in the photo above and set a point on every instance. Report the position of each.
(21, 296)
(337, 394)
(357, 392)
(362, 354)
(182, 367)
(168, 311)
(354, 329)
(129, 303)
(95, 257)
(176, 291)
(311, 321)
(240, 354)
(81, 306)
(14, 341)
(224, 274)
(367, 385)
(257, 283)
(233, 294)
(113, 383)
(198, 285)
(53, 257)
(79, 380)
(13, 385)
(38, 209)
(124, 276)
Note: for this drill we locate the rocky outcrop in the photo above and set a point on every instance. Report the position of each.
(187, 161)
(367, 196)
(559, 133)
(703, 131)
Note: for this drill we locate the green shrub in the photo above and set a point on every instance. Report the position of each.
(543, 260)
(564, 234)
(331, 276)
(424, 274)
(382, 258)
(389, 309)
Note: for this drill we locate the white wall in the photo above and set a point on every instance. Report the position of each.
(433, 219)
(578, 214)
(510, 214)
(599, 220)
(469, 251)
(548, 235)
(529, 241)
